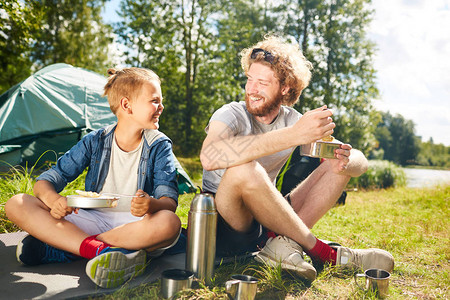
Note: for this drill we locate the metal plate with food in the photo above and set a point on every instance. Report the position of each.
(321, 148)
(92, 202)
(97, 195)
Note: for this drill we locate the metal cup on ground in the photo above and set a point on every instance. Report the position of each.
(377, 280)
(175, 280)
(201, 237)
(242, 287)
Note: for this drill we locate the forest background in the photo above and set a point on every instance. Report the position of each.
(194, 46)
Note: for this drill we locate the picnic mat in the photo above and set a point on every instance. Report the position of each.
(62, 281)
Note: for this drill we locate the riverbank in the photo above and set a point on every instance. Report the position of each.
(420, 178)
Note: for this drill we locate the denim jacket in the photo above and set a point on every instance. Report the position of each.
(157, 172)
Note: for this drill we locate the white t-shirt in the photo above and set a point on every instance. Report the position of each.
(122, 174)
(242, 123)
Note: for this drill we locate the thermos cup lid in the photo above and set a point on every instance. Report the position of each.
(203, 202)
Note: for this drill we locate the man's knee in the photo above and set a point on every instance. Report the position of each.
(247, 175)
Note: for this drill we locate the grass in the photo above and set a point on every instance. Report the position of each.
(412, 224)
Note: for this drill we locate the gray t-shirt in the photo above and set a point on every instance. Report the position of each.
(242, 123)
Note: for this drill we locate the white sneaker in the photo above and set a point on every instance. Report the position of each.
(364, 259)
(112, 269)
(282, 250)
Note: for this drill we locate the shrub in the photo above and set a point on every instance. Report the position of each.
(381, 174)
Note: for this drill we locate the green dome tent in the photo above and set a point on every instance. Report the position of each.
(51, 110)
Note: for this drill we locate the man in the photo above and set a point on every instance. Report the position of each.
(248, 142)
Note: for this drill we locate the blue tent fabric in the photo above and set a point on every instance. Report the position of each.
(59, 100)
(57, 97)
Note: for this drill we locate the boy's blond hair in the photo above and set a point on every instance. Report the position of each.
(127, 83)
(291, 67)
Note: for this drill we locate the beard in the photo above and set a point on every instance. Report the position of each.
(267, 107)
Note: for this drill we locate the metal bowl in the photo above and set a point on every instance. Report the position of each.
(92, 202)
(320, 149)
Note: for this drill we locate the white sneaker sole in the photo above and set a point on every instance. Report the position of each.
(307, 272)
(19, 252)
(112, 269)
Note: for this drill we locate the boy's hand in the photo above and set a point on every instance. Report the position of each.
(140, 204)
(60, 209)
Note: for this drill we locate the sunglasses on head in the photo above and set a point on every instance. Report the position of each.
(269, 57)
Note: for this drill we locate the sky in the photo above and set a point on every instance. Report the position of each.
(412, 62)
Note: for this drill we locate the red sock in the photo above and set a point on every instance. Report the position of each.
(90, 247)
(271, 234)
(322, 252)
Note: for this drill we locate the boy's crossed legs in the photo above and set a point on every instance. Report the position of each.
(115, 254)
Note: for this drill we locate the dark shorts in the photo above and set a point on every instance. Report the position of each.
(230, 242)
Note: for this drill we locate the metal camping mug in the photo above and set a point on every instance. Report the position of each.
(320, 149)
(175, 280)
(377, 280)
(242, 287)
(201, 237)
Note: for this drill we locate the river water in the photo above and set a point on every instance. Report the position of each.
(426, 177)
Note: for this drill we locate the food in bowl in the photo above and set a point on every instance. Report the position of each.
(88, 194)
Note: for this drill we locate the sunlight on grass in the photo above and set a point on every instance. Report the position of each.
(410, 223)
(17, 180)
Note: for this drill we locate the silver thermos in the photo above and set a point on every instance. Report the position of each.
(201, 237)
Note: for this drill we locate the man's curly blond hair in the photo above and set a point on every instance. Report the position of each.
(126, 82)
(291, 67)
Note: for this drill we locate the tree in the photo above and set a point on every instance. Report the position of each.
(332, 35)
(72, 32)
(434, 155)
(34, 34)
(396, 137)
(177, 40)
(16, 20)
(300, 19)
(194, 46)
(241, 25)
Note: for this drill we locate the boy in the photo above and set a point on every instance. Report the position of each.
(129, 157)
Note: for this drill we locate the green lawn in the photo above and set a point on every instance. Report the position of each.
(410, 223)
